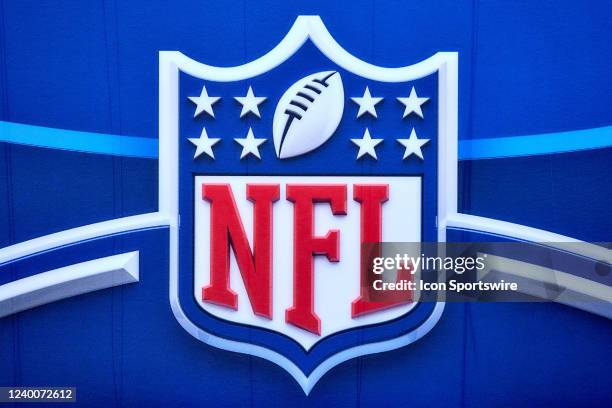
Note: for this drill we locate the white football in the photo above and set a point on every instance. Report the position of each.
(308, 114)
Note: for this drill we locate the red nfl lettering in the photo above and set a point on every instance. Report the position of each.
(256, 265)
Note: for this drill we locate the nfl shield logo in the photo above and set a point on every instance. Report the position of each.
(276, 172)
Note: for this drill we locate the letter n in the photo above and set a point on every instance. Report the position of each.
(227, 230)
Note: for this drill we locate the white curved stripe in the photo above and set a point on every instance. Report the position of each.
(83, 233)
(524, 233)
(68, 281)
(594, 295)
(575, 291)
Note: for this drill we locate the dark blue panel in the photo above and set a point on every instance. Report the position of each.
(541, 67)
(56, 190)
(56, 64)
(536, 355)
(569, 194)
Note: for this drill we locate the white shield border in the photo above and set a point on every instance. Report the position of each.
(171, 63)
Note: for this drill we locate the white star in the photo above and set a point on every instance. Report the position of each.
(250, 145)
(413, 145)
(204, 103)
(367, 145)
(250, 103)
(366, 103)
(413, 103)
(203, 144)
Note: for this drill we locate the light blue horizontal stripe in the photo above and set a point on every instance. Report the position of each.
(513, 146)
(547, 143)
(88, 142)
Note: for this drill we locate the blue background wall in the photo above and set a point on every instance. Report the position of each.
(525, 67)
